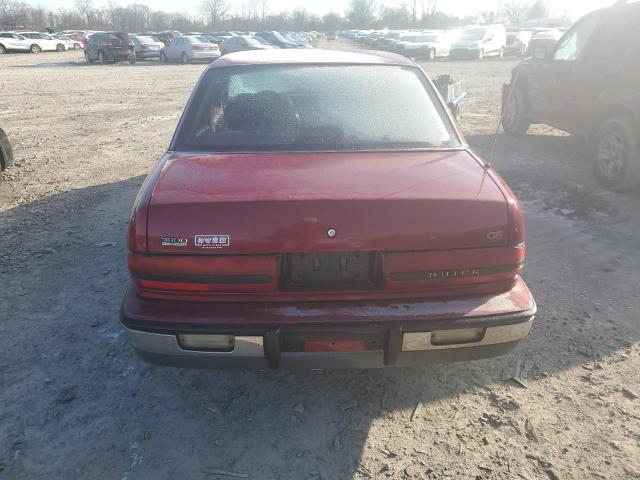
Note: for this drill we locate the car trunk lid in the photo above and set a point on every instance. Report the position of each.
(289, 202)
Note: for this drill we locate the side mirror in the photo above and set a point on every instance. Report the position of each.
(540, 53)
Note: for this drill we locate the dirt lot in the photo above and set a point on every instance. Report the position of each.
(75, 402)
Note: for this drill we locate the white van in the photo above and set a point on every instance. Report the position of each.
(480, 41)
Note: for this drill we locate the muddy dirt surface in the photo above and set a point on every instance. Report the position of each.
(75, 401)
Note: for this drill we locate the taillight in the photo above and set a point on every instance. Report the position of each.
(130, 43)
(454, 268)
(157, 274)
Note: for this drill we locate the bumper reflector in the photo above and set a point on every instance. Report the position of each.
(214, 343)
(412, 342)
(451, 337)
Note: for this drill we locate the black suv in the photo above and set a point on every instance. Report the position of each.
(588, 84)
(110, 47)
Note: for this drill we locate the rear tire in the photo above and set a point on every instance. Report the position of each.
(514, 114)
(615, 153)
(101, 58)
(35, 49)
(2, 49)
(60, 47)
(163, 58)
(86, 57)
(185, 59)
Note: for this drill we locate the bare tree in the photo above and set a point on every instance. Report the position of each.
(264, 9)
(85, 8)
(215, 10)
(514, 11)
(539, 9)
(361, 13)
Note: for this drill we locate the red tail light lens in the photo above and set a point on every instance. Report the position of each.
(441, 269)
(198, 274)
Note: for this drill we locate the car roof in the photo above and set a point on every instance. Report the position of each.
(311, 56)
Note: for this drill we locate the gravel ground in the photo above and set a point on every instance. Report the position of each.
(75, 401)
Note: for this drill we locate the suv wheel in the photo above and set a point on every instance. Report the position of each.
(86, 57)
(514, 113)
(60, 47)
(616, 155)
(2, 49)
(101, 58)
(35, 48)
(185, 58)
(163, 58)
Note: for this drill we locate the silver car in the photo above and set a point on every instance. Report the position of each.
(146, 47)
(189, 49)
(428, 45)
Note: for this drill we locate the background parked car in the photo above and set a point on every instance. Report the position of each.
(244, 42)
(331, 36)
(587, 85)
(6, 153)
(146, 47)
(544, 39)
(428, 45)
(188, 49)
(14, 42)
(275, 38)
(68, 42)
(517, 41)
(46, 42)
(110, 47)
(480, 41)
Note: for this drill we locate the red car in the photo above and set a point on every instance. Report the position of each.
(319, 209)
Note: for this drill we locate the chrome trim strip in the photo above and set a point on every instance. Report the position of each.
(168, 344)
(420, 341)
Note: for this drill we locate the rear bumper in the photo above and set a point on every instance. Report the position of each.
(263, 333)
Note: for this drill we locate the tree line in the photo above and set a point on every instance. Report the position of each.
(253, 15)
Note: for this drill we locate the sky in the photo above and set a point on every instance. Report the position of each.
(575, 8)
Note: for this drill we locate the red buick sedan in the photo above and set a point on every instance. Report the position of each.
(319, 209)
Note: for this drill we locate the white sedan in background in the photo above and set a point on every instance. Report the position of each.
(14, 42)
(190, 48)
(45, 41)
(69, 43)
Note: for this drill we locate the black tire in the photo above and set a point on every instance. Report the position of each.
(184, 58)
(2, 49)
(35, 48)
(481, 55)
(515, 120)
(431, 54)
(163, 58)
(86, 57)
(60, 47)
(102, 60)
(615, 154)
(76, 46)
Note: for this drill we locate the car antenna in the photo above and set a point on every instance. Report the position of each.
(506, 102)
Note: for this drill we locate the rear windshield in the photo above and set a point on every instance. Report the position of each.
(314, 108)
(145, 40)
(473, 34)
